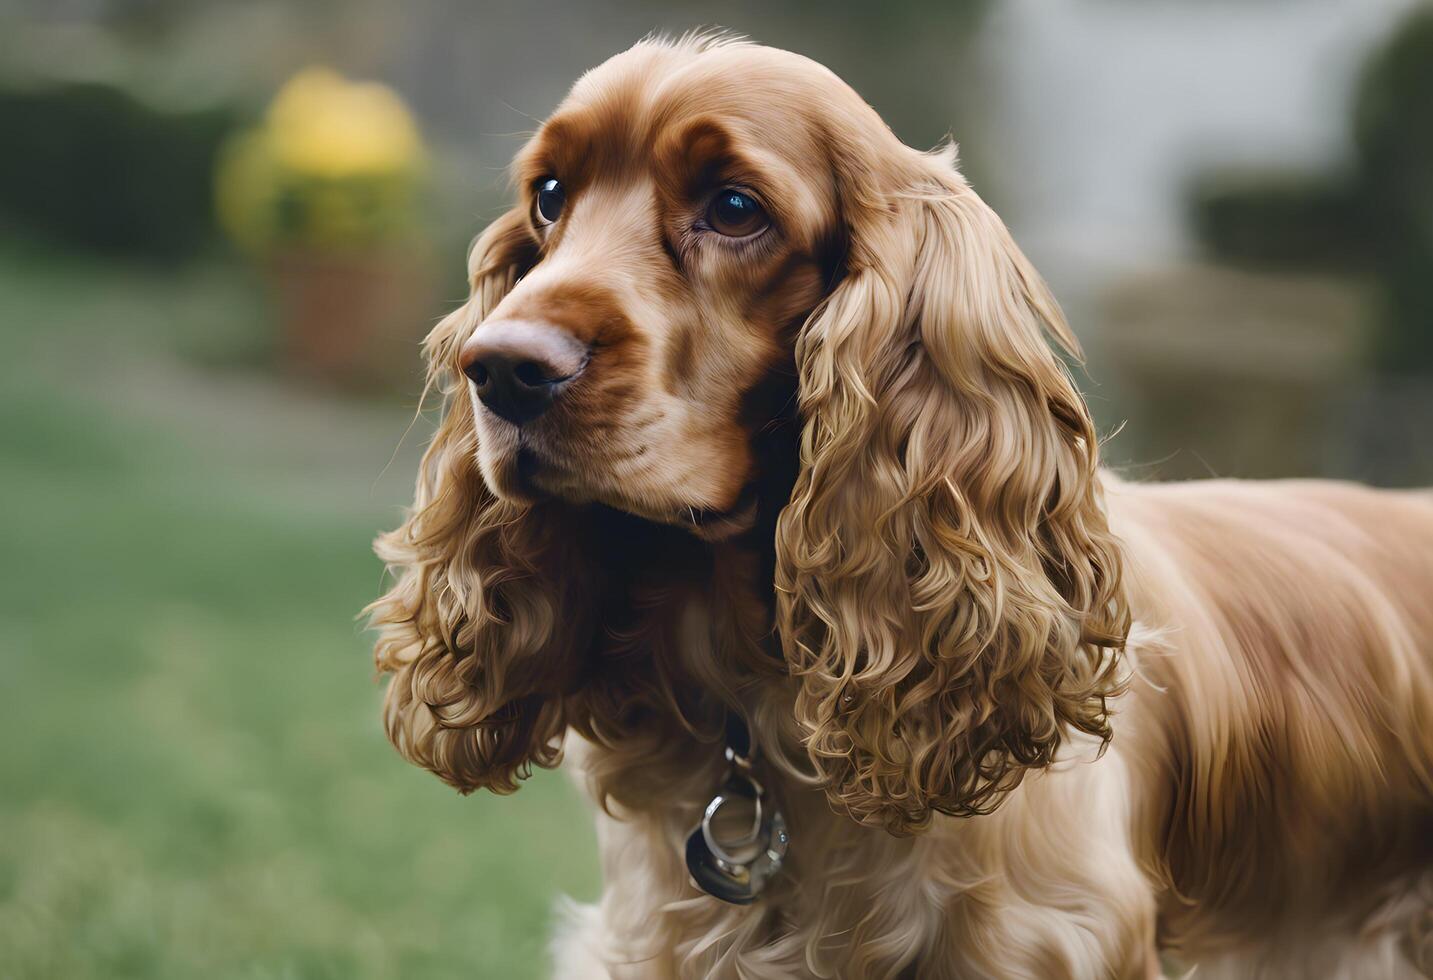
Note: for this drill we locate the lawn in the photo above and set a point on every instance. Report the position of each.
(193, 780)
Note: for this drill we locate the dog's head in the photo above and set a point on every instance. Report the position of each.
(706, 233)
(679, 216)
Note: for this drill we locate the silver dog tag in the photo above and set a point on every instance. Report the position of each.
(741, 841)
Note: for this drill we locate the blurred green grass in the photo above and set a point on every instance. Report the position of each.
(193, 779)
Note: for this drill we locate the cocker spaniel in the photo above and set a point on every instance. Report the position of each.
(760, 494)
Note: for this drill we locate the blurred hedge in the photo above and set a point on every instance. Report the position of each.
(1393, 130)
(1284, 218)
(93, 168)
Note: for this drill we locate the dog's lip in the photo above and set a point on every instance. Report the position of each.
(524, 468)
(532, 476)
(708, 522)
(523, 475)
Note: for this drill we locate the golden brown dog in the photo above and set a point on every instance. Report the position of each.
(752, 413)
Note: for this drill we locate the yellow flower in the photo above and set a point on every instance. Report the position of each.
(334, 164)
(322, 125)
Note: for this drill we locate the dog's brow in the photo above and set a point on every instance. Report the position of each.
(581, 141)
(698, 155)
(559, 149)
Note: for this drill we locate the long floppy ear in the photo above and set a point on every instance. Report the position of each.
(948, 589)
(479, 635)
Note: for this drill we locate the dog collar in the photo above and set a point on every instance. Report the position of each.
(735, 865)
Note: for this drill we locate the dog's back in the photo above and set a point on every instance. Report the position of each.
(1283, 717)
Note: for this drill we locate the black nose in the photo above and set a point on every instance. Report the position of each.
(520, 367)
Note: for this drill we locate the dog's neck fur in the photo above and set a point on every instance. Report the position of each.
(885, 905)
(689, 623)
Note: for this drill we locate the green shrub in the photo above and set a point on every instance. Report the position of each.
(1393, 129)
(91, 167)
(1279, 218)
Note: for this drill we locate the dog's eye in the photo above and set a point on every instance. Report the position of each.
(736, 214)
(550, 199)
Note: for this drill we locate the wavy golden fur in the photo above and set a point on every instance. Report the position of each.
(1025, 720)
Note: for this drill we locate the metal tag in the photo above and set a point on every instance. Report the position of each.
(735, 863)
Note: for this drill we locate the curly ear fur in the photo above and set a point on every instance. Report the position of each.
(948, 590)
(471, 628)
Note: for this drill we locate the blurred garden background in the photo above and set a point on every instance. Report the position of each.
(224, 228)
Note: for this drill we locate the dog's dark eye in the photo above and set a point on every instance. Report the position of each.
(550, 199)
(736, 214)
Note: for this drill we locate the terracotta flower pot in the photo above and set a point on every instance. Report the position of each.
(353, 318)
